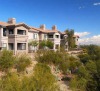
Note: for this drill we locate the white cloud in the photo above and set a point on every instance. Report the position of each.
(92, 40)
(82, 34)
(81, 7)
(95, 4)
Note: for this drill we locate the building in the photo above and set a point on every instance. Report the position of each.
(16, 36)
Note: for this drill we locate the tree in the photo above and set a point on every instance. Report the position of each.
(70, 38)
(34, 44)
(7, 60)
(49, 44)
(46, 43)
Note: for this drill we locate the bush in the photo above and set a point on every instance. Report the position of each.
(46, 43)
(29, 84)
(84, 58)
(10, 82)
(22, 62)
(45, 80)
(7, 60)
(82, 72)
(59, 59)
(78, 84)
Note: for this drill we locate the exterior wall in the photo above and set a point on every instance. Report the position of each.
(56, 41)
(31, 38)
(22, 28)
(21, 39)
(42, 36)
(3, 39)
(17, 38)
(76, 41)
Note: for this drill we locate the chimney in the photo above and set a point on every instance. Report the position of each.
(54, 27)
(12, 21)
(42, 26)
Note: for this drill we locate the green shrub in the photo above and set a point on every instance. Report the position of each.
(7, 60)
(84, 58)
(29, 84)
(82, 72)
(10, 82)
(22, 62)
(91, 67)
(46, 43)
(57, 58)
(45, 80)
(78, 84)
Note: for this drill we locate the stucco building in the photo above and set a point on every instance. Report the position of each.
(16, 36)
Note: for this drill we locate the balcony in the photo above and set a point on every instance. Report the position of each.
(21, 32)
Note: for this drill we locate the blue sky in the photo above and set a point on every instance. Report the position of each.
(81, 15)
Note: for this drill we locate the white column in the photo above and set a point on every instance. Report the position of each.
(15, 48)
(1, 32)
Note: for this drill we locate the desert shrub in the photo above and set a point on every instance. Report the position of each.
(22, 62)
(84, 58)
(10, 82)
(78, 84)
(82, 72)
(29, 84)
(49, 57)
(7, 60)
(60, 59)
(91, 67)
(45, 79)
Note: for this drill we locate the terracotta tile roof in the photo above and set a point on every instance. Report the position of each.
(3, 23)
(44, 31)
(31, 28)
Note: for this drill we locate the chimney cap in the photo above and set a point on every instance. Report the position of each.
(12, 20)
(43, 26)
(54, 27)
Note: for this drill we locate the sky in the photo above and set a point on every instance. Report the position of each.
(81, 15)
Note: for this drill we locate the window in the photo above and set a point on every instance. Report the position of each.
(34, 36)
(4, 32)
(50, 36)
(4, 45)
(21, 32)
(11, 46)
(21, 46)
(56, 36)
(11, 31)
(45, 36)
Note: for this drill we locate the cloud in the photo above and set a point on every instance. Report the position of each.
(81, 7)
(95, 4)
(92, 40)
(82, 34)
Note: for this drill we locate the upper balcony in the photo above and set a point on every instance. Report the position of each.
(12, 33)
(54, 37)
